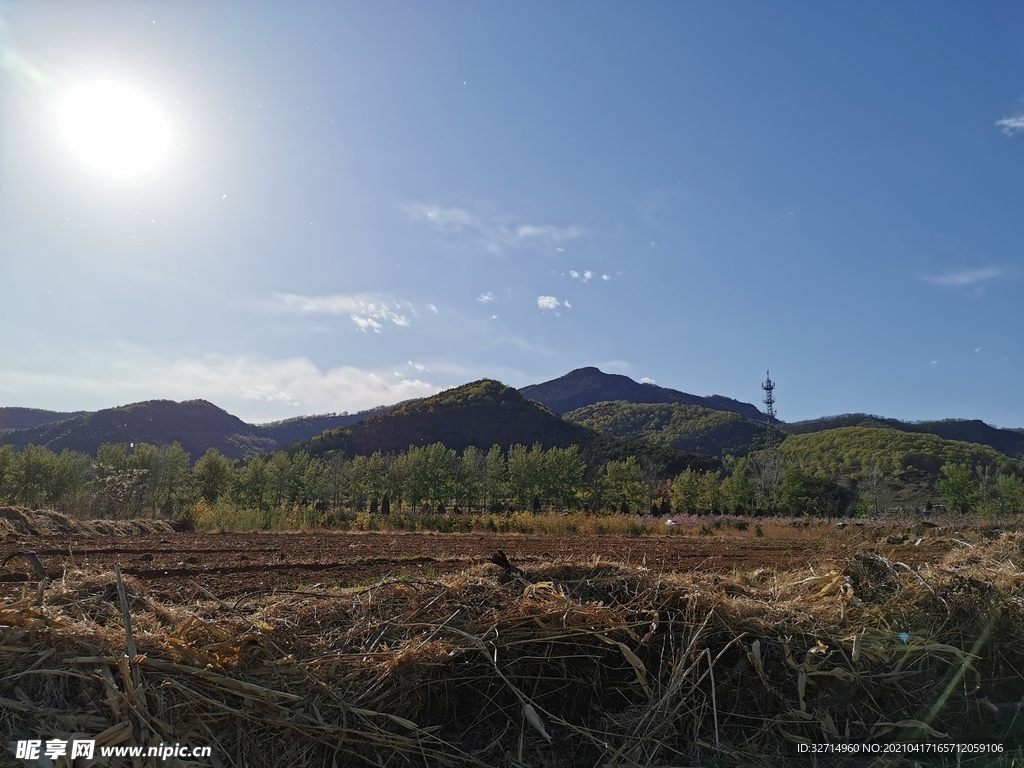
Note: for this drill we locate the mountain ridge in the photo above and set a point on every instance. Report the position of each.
(485, 413)
(586, 386)
(26, 418)
(196, 424)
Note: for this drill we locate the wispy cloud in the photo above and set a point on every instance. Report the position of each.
(1011, 125)
(495, 233)
(253, 388)
(548, 302)
(484, 298)
(367, 312)
(585, 277)
(296, 382)
(966, 277)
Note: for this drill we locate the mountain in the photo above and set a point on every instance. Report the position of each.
(586, 386)
(197, 424)
(26, 418)
(485, 413)
(1008, 441)
(853, 452)
(295, 430)
(673, 425)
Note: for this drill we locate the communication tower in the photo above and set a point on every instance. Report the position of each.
(769, 411)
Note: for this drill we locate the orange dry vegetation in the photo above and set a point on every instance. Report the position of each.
(574, 660)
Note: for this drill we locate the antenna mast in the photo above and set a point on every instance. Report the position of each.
(769, 410)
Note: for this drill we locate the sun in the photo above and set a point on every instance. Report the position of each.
(113, 128)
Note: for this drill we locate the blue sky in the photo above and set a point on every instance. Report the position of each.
(361, 203)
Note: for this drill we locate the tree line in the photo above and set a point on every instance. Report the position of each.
(143, 480)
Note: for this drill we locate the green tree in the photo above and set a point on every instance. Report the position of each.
(709, 492)
(564, 471)
(1010, 491)
(441, 474)
(212, 474)
(622, 486)
(525, 475)
(67, 481)
(6, 481)
(252, 484)
(375, 479)
(685, 491)
(279, 468)
(335, 479)
(173, 481)
(496, 480)
(957, 485)
(470, 476)
(738, 491)
(416, 476)
(806, 494)
(31, 475)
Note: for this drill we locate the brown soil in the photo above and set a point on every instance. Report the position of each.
(180, 566)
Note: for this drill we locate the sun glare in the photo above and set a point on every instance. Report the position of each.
(114, 128)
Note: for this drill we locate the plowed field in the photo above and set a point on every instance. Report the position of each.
(180, 566)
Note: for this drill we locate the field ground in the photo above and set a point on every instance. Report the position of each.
(228, 564)
(706, 646)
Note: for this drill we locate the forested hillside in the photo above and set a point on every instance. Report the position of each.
(486, 413)
(26, 418)
(586, 386)
(195, 424)
(852, 453)
(1008, 441)
(290, 431)
(684, 427)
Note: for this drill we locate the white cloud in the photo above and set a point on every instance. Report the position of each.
(548, 302)
(483, 298)
(432, 308)
(295, 381)
(574, 274)
(445, 219)
(495, 233)
(645, 380)
(367, 312)
(605, 277)
(1011, 125)
(252, 388)
(587, 275)
(419, 367)
(546, 233)
(965, 277)
(268, 393)
(567, 305)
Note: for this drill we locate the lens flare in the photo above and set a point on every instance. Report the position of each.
(114, 128)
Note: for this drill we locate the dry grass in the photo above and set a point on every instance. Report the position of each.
(20, 522)
(589, 663)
